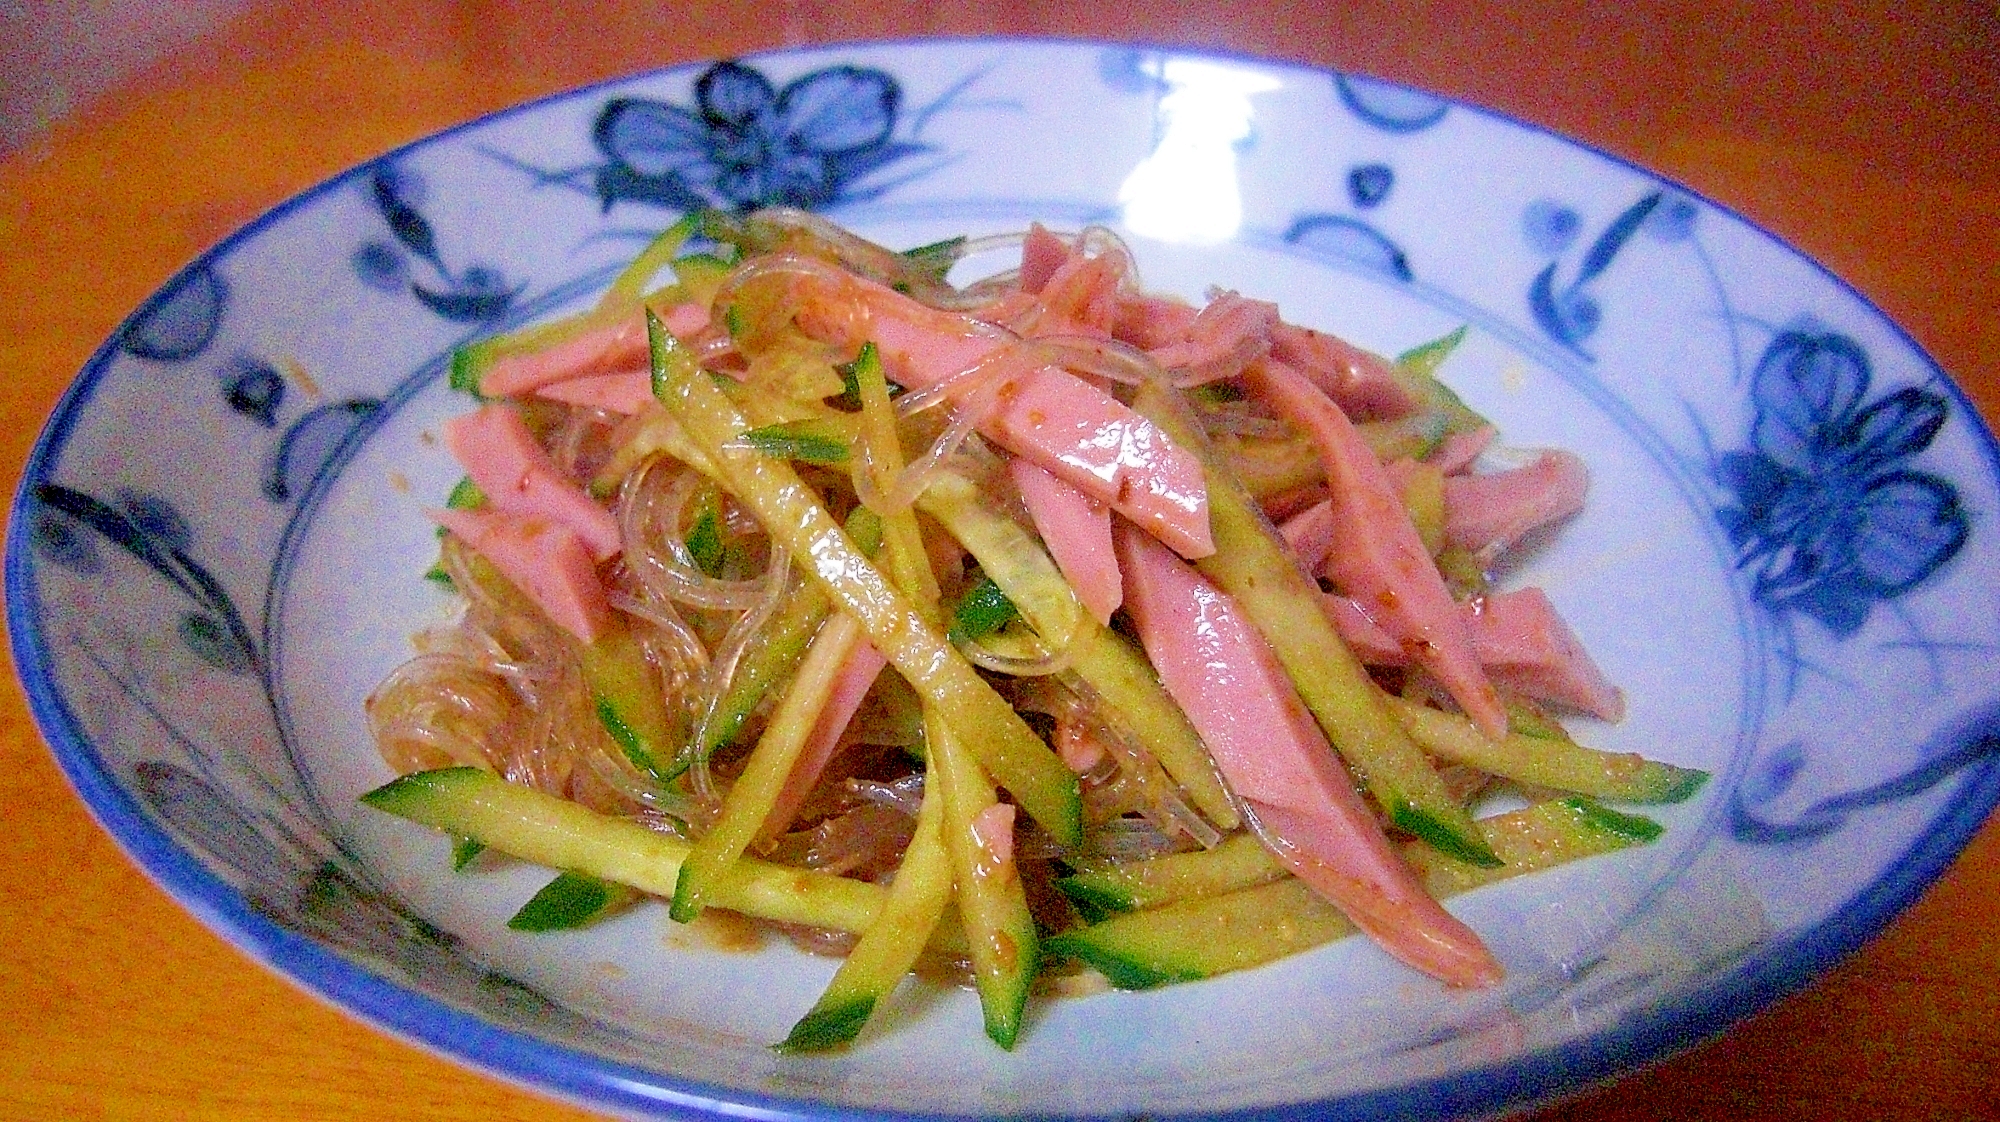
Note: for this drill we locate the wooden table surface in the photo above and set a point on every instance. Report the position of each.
(1867, 134)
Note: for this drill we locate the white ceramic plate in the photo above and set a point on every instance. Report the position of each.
(1782, 563)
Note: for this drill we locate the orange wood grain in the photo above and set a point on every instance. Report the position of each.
(1867, 134)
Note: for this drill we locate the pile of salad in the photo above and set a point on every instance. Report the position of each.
(1042, 631)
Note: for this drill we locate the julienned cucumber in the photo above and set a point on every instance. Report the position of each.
(1018, 760)
(1205, 936)
(1539, 837)
(1234, 916)
(570, 901)
(774, 653)
(756, 791)
(622, 298)
(550, 831)
(1239, 862)
(627, 697)
(1416, 371)
(1553, 761)
(918, 899)
(1005, 947)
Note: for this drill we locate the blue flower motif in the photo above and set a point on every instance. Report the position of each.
(180, 321)
(255, 389)
(1390, 107)
(216, 824)
(747, 143)
(61, 540)
(1755, 818)
(303, 452)
(157, 518)
(476, 295)
(1567, 311)
(149, 529)
(1673, 219)
(381, 267)
(1352, 239)
(1550, 226)
(1369, 184)
(1828, 516)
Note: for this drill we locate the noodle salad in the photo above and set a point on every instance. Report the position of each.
(1041, 632)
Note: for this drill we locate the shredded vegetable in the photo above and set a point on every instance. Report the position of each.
(1112, 634)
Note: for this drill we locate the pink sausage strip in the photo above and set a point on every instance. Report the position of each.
(1526, 647)
(1359, 381)
(1042, 253)
(1228, 334)
(1521, 642)
(1148, 322)
(1456, 452)
(1310, 533)
(1495, 511)
(1377, 556)
(1058, 421)
(1077, 530)
(547, 561)
(503, 458)
(625, 392)
(1225, 678)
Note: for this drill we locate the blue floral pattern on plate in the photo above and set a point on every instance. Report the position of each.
(180, 322)
(747, 142)
(198, 613)
(1831, 517)
(477, 294)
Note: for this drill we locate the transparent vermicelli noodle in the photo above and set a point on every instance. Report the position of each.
(437, 710)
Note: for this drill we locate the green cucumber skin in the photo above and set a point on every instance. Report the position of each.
(1631, 827)
(1552, 761)
(626, 700)
(407, 795)
(770, 661)
(794, 442)
(468, 365)
(1123, 969)
(1416, 371)
(704, 542)
(1420, 823)
(464, 851)
(1240, 861)
(1681, 784)
(628, 741)
(983, 610)
(824, 1030)
(570, 901)
(1424, 358)
(1094, 902)
(1200, 938)
(777, 653)
(465, 495)
(1003, 1017)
